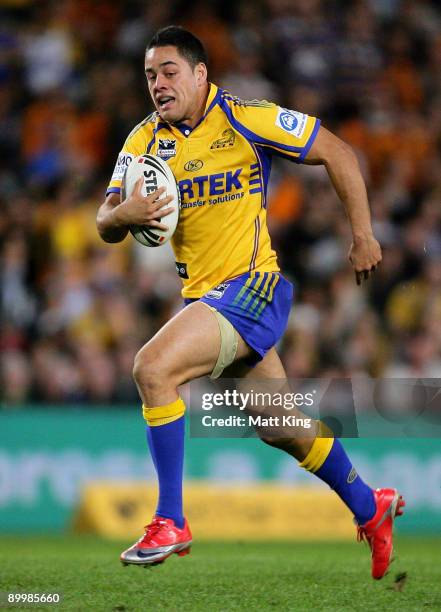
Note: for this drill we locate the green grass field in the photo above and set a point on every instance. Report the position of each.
(222, 576)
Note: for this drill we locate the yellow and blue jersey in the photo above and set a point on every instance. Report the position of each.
(222, 167)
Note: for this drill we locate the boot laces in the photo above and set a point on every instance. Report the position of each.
(153, 528)
(362, 536)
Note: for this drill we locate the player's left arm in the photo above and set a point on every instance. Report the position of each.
(344, 171)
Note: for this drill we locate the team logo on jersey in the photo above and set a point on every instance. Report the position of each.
(218, 291)
(226, 141)
(193, 165)
(291, 121)
(166, 148)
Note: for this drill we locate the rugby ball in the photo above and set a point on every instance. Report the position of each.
(155, 173)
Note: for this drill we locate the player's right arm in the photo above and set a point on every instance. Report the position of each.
(114, 217)
(116, 214)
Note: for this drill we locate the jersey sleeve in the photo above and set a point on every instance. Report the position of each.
(136, 144)
(284, 132)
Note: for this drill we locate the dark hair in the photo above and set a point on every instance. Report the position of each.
(187, 44)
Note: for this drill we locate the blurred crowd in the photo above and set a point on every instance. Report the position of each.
(75, 310)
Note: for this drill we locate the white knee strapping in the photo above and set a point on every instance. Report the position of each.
(228, 346)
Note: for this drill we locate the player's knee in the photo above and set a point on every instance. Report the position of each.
(150, 369)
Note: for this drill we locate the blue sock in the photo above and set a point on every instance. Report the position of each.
(166, 443)
(337, 471)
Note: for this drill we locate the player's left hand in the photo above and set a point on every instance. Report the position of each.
(364, 255)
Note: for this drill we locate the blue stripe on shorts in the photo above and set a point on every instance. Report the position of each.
(257, 304)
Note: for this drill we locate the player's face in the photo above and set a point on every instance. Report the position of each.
(175, 87)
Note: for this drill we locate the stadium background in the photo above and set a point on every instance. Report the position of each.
(75, 310)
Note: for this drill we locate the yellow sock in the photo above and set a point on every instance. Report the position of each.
(320, 449)
(161, 415)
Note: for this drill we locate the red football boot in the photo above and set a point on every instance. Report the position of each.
(379, 530)
(161, 539)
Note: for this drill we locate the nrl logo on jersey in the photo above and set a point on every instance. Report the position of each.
(227, 140)
(166, 148)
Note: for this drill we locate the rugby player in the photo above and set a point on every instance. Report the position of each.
(237, 302)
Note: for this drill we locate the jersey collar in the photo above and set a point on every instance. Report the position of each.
(186, 130)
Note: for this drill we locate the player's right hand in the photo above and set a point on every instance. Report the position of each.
(145, 210)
